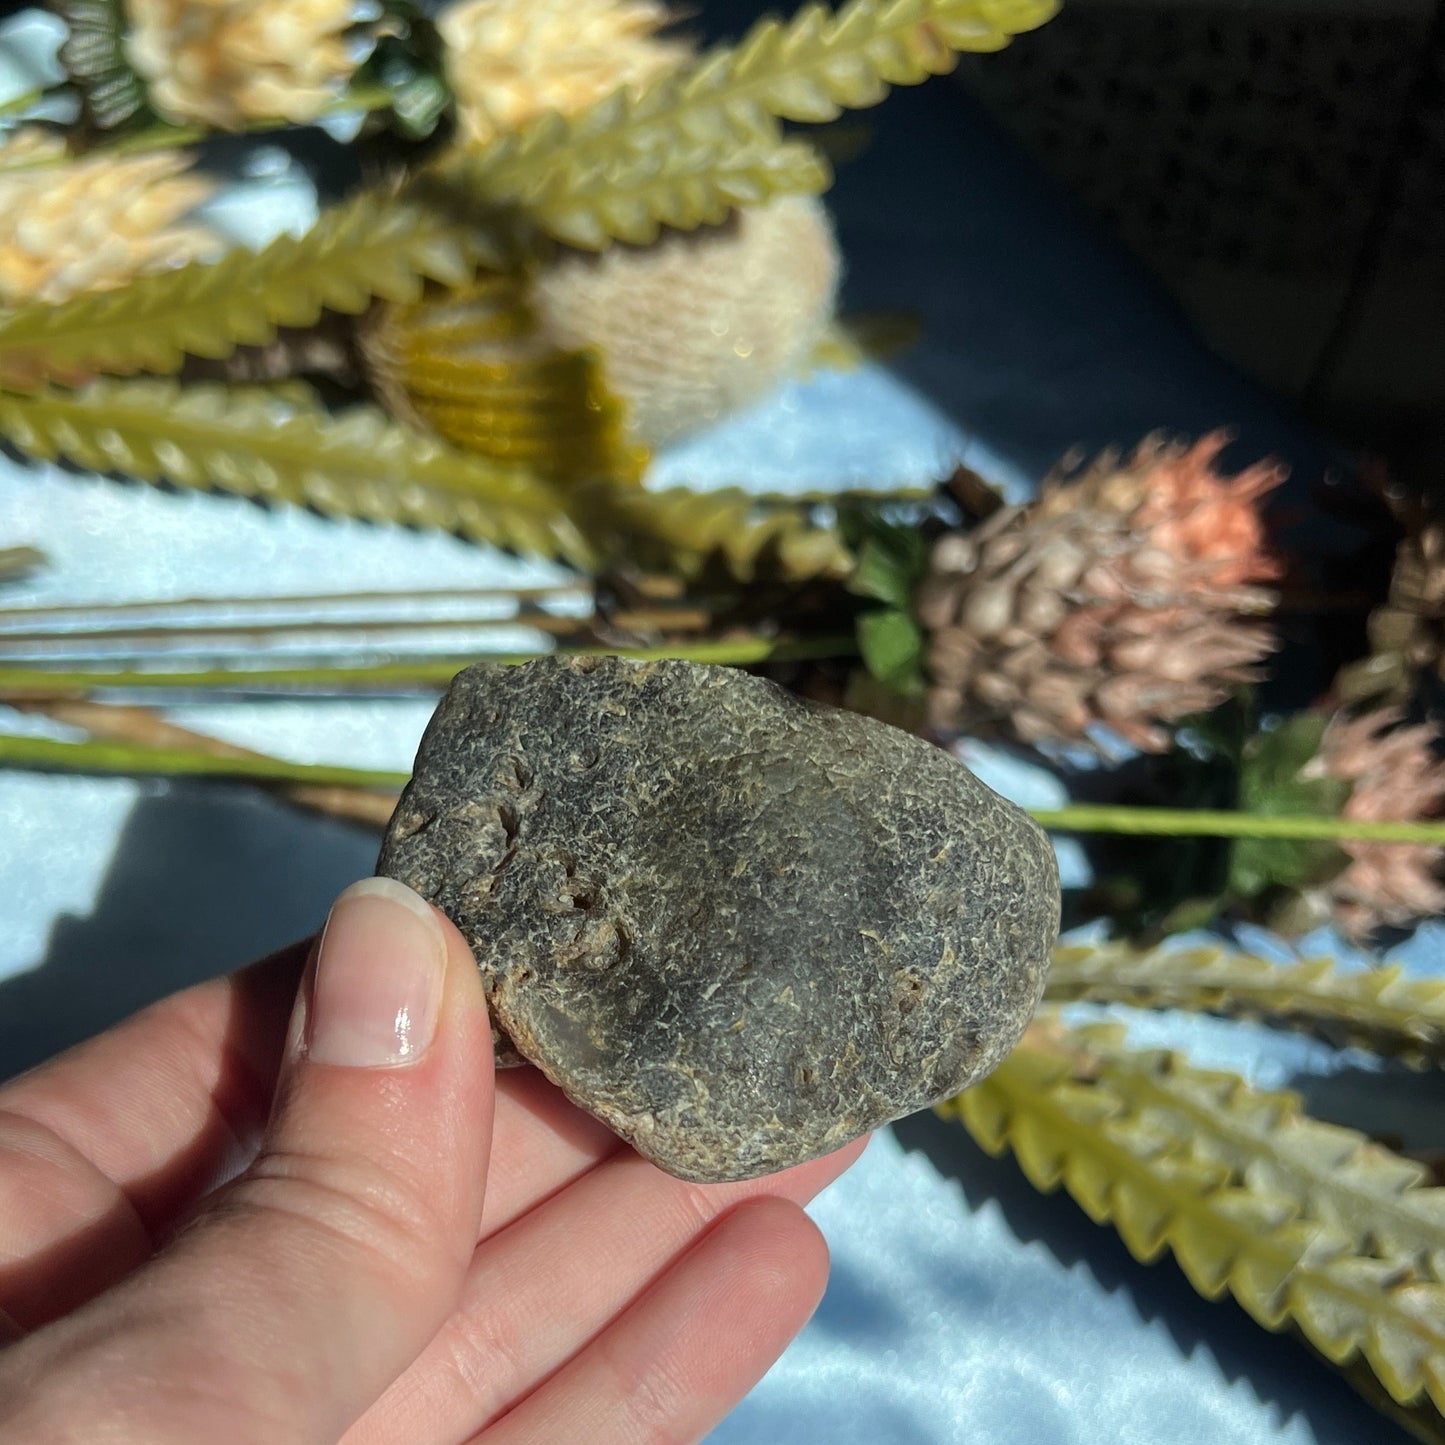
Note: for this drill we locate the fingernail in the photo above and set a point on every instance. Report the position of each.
(379, 975)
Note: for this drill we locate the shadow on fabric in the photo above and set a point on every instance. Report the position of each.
(203, 880)
(1280, 1370)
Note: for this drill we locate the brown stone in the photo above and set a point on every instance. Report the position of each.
(740, 928)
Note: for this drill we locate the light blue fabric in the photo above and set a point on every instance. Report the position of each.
(963, 1307)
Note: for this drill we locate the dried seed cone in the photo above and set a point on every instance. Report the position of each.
(225, 62)
(510, 60)
(1118, 599)
(702, 322)
(1397, 774)
(1407, 634)
(70, 226)
(676, 335)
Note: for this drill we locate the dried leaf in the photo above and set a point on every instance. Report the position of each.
(1379, 1009)
(1169, 1181)
(685, 531)
(1335, 1175)
(250, 442)
(690, 184)
(18, 563)
(371, 247)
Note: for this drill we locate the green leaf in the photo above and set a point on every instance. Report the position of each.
(250, 442)
(892, 647)
(372, 247)
(1273, 783)
(1380, 1009)
(892, 562)
(705, 138)
(408, 62)
(1239, 1187)
(632, 197)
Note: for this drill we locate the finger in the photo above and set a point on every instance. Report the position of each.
(159, 1101)
(304, 1287)
(608, 1235)
(684, 1354)
(541, 1142)
(101, 1148)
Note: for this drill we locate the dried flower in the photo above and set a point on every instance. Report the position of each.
(682, 332)
(1118, 598)
(68, 226)
(1397, 773)
(509, 60)
(226, 62)
(1407, 633)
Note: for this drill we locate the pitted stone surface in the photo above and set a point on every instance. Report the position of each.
(740, 928)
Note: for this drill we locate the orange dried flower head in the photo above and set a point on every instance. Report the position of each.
(1397, 774)
(1123, 597)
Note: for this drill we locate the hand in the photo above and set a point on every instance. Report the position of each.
(353, 1281)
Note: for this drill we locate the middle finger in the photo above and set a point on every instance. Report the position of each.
(540, 1289)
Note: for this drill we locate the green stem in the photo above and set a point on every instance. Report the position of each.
(370, 99)
(1203, 823)
(141, 759)
(149, 759)
(19, 104)
(425, 674)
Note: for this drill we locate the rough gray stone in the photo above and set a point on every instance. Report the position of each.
(740, 928)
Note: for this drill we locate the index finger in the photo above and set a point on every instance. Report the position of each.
(163, 1102)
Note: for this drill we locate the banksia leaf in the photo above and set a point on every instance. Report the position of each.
(683, 531)
(1200, 1186)
(370, 248)
(473, 366)
(632, 161)
(17, 563)
(1378, 1009)
(1333, 1174)
(695, 183)
(251, 443)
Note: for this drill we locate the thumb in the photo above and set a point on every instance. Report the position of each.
(302, 1289)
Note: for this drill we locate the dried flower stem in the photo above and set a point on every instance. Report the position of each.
(368, 99)
(1206, 823)
(18, 562)
(143, 726)
(415, 675)
(161, 607)
(140, 759)
(165, 640)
